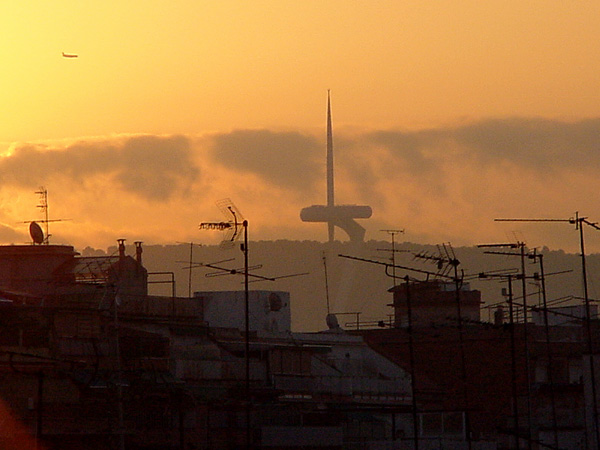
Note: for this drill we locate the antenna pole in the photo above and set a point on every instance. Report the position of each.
(588, 329)
(513, 356)
(411, 351)
(247, 337)
(326, 283)
(190, 272)
(513, 360)
(43, 193)
(392, 233)
(228, 208)
(548, 346)
(463, 362)
(526, 339)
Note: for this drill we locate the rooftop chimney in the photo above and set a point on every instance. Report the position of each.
(138, 252)
(121, 248)
(499, 316)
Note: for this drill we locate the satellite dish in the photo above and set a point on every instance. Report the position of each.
(36, 233)
(275, 302)
(332, 322)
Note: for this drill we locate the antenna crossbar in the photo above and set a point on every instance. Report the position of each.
(215, 226)
(388, 266)
(570, 220)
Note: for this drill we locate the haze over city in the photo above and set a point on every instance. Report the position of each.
(446, 115)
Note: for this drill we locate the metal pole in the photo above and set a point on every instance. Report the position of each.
(411, 352)
(326, 283)
(580, 222)
(513, 362)
(393, 258)
(463, 364)
(247, 333)
(393, 233)
(190, 272)
(549, 351)
(526, 342)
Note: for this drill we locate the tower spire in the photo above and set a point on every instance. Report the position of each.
(341, 216)
(330, 198)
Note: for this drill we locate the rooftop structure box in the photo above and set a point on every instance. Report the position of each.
(434, 302)
(269, 311)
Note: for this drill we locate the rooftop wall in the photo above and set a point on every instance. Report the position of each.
(30, 268)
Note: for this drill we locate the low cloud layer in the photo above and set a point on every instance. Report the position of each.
(541, 144)
(285, 159)
(152, 167)
(443, 184)
(535, 144)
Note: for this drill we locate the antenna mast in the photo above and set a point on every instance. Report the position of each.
(43, 193)
(326, 283)
(392, 233)
(38, 234)
(233, 227)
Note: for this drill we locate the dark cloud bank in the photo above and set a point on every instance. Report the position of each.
(151, 167)
(286, 159)
(541, 143)
(157, 168)
(296, 161)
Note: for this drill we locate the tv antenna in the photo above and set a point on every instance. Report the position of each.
(233, 227)
(445, 260)
(579, 221)
(220, 270)
(35, 230)
(521, 247)
(393, 250)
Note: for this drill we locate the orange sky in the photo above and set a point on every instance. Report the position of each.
(446, 115)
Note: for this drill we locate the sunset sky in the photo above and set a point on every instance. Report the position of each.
(446, 114)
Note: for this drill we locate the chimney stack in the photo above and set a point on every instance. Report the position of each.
(499, 316)
(138, 252)
(121, 248)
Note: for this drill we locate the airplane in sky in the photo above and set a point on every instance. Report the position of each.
(69, 55)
